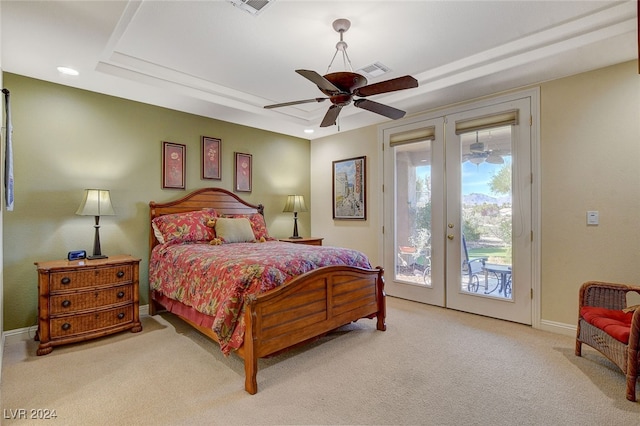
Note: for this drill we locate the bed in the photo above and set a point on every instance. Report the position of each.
(269, 317)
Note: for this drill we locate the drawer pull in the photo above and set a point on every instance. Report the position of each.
(120, 294)
(66, 303)
(121, 315)
(120, 274)
(66, 326)
(65, 280)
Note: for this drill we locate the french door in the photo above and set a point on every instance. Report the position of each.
(457, 205)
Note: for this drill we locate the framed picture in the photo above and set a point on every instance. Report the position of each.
(211, 168)
(349, 193)
(242, 179)
(173, 164)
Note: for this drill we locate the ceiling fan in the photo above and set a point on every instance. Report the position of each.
(478, 154)
(341, 87)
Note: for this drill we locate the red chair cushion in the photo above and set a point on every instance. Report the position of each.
(615, 323)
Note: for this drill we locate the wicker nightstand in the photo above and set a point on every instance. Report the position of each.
(311, 241)
(81, 300)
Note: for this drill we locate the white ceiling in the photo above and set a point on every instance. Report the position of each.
(213, 59)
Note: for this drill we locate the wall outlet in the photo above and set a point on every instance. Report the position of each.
(592, 218)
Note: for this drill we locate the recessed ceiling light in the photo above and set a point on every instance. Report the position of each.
(67, 71)
(308, 131)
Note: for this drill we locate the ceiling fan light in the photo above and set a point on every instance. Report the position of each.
(476, 160)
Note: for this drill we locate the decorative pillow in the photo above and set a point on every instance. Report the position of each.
(234, 230)
(184, 227)
(257, 224)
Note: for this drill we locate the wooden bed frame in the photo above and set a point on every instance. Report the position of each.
(306, 307)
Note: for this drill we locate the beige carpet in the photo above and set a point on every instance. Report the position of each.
(432, 366)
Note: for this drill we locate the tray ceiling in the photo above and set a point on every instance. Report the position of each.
(213, 59)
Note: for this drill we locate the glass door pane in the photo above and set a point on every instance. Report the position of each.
(413, 212)
(486, 177)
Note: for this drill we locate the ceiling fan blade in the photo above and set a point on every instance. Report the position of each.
(319, 80)
(400, 83)
(331, 116)
(306, 101)
(379, 108)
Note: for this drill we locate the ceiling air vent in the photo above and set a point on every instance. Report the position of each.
(374, 70)
(254, 7)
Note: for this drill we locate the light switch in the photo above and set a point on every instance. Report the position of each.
(592, 218)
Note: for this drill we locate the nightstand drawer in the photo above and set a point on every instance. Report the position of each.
(66, 280)
(91, 322)
(65, 303)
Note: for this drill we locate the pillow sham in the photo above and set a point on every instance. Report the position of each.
(184, 227)
(234, 230)
(258, 225)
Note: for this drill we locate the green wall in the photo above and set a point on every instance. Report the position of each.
(66, 140)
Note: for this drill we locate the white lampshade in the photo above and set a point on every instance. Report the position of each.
(96, 202)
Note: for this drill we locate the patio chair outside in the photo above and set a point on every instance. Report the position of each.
(471, 268)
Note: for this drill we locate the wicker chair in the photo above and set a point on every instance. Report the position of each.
(625, 356)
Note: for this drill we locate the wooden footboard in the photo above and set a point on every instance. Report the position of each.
(309, 306)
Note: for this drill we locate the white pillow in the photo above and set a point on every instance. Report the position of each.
(237, 230)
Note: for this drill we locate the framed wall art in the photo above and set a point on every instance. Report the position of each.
(173, 165)
(242, 178)
(349, 193)
(211, 154)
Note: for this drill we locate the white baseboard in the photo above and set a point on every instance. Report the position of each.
(28, 333)
(19, 334)
(144, 310)
(558, 328)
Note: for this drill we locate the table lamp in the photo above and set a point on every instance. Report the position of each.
(295, 204)
(96, 202)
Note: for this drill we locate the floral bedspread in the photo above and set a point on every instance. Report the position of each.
(214, 279)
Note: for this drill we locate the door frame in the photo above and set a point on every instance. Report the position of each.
(534, 95)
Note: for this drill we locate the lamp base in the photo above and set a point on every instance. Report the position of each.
(97, 256)
(295, 237)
